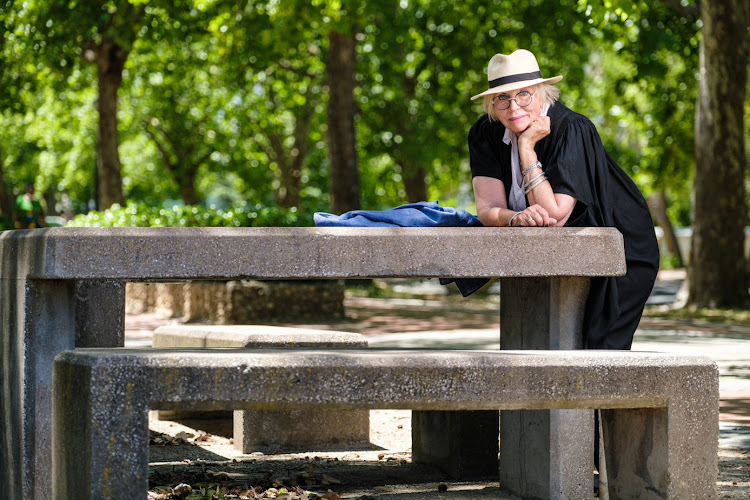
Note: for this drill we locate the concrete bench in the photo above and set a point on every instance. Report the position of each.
(64, 288)
(271, 430)
(661, 417)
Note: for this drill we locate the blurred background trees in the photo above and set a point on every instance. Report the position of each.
(334, 105)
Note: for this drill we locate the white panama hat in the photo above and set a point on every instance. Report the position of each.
(514, 71)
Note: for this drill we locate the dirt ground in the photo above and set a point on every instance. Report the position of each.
(201, 452)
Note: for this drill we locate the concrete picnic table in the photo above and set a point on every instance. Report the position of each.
(64, 288)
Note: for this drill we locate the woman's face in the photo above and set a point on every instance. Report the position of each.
(517, 118)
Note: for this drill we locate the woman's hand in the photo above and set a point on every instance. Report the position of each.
(535, 132)
(534, 216)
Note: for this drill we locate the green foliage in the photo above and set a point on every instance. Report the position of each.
(420, 61)
(273, 59)
(670, 261)
(230, 98)
(648, 107)
(140, 215)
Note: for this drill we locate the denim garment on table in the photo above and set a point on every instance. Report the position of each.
(422, 214)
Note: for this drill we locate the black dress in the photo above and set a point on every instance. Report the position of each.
(577, 164)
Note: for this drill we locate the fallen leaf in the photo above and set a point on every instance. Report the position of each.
(182, 490)
(183, 435)
(302, 494)
(330, 480)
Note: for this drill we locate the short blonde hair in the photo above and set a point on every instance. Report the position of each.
(547, 91)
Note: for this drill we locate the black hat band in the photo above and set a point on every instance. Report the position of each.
(515, 78)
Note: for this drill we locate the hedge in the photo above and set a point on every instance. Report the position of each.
(141, 215)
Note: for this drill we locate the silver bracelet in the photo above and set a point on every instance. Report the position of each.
(530, 188)
(531, 167)
(534, 178)
(510, 222)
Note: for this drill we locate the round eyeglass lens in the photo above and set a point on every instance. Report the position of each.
(523, 99)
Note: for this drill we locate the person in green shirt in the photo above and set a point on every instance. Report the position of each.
(29, 211)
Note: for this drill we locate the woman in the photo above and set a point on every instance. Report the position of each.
(536, 163)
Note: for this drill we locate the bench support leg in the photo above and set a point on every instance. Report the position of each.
(642, 460)
(101, 454)
(270, 430)
(461, 443)
(545, 453)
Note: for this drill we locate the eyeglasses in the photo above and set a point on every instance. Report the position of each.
(523, 99)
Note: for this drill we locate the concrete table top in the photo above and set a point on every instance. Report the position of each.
(308, 253)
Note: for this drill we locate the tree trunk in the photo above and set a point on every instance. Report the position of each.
(414, 182)
(413, 173)
(188, 191)
(288, 195)
(290, 165)
(50, 203)
(342, 143)
(110, 60)
(717, 273)
(658, 204)
(7, 204)
(289, 172)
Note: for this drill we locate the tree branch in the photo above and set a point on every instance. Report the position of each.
(277, 146)
(162, 149)
(302, 131)
(194, 166)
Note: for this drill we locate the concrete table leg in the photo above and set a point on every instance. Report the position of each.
(85, 467)
(541, 313)
(38, 320)
(100, 313)
(545, 453)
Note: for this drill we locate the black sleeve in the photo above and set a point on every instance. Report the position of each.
(484, 151)
(571, 166)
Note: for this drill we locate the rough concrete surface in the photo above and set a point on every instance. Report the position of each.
(445, 324)
(41, 268)
(254, 430)
(253, 337)
(679, 393)
(302, 252)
